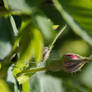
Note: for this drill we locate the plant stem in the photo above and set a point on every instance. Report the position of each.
(52, 44)
(32, 70)
(89, 59)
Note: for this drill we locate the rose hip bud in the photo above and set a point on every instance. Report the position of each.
(69, 63)
(72, 62)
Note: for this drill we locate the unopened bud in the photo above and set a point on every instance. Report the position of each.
(72, 62)
(69, 63)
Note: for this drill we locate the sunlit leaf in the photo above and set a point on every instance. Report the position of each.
(25, 86)
(3, 86)
(30, 45)
(38, 45)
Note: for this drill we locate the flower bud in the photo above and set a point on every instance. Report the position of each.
(69, 63)
(72, 62)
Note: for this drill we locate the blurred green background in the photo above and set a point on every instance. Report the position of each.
(42, 15)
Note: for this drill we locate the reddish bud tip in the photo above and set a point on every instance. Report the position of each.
(72, 62)
(71, 56)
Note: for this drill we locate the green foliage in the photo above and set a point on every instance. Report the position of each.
(62, 26)
(5, 36)
(77, 15)
(22, 6)
(30, 45)
(40, 82)
(45, 25)
(3, 86)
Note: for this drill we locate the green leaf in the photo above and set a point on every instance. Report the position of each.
(22, 6)
(11, 80)
(86, 76)
(30, 45)
(37, 44)
(25, 86)
(3, 86)
(41, 82)
(77, 13)
(45, 25)
(73, 86)
(13, 24)
(35, 84)
(5, 38)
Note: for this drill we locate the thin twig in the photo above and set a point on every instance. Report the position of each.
(52, 45)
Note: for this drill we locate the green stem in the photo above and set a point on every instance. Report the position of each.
(52, 45)
(32, 70)
(35, 69)
(89, 59)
